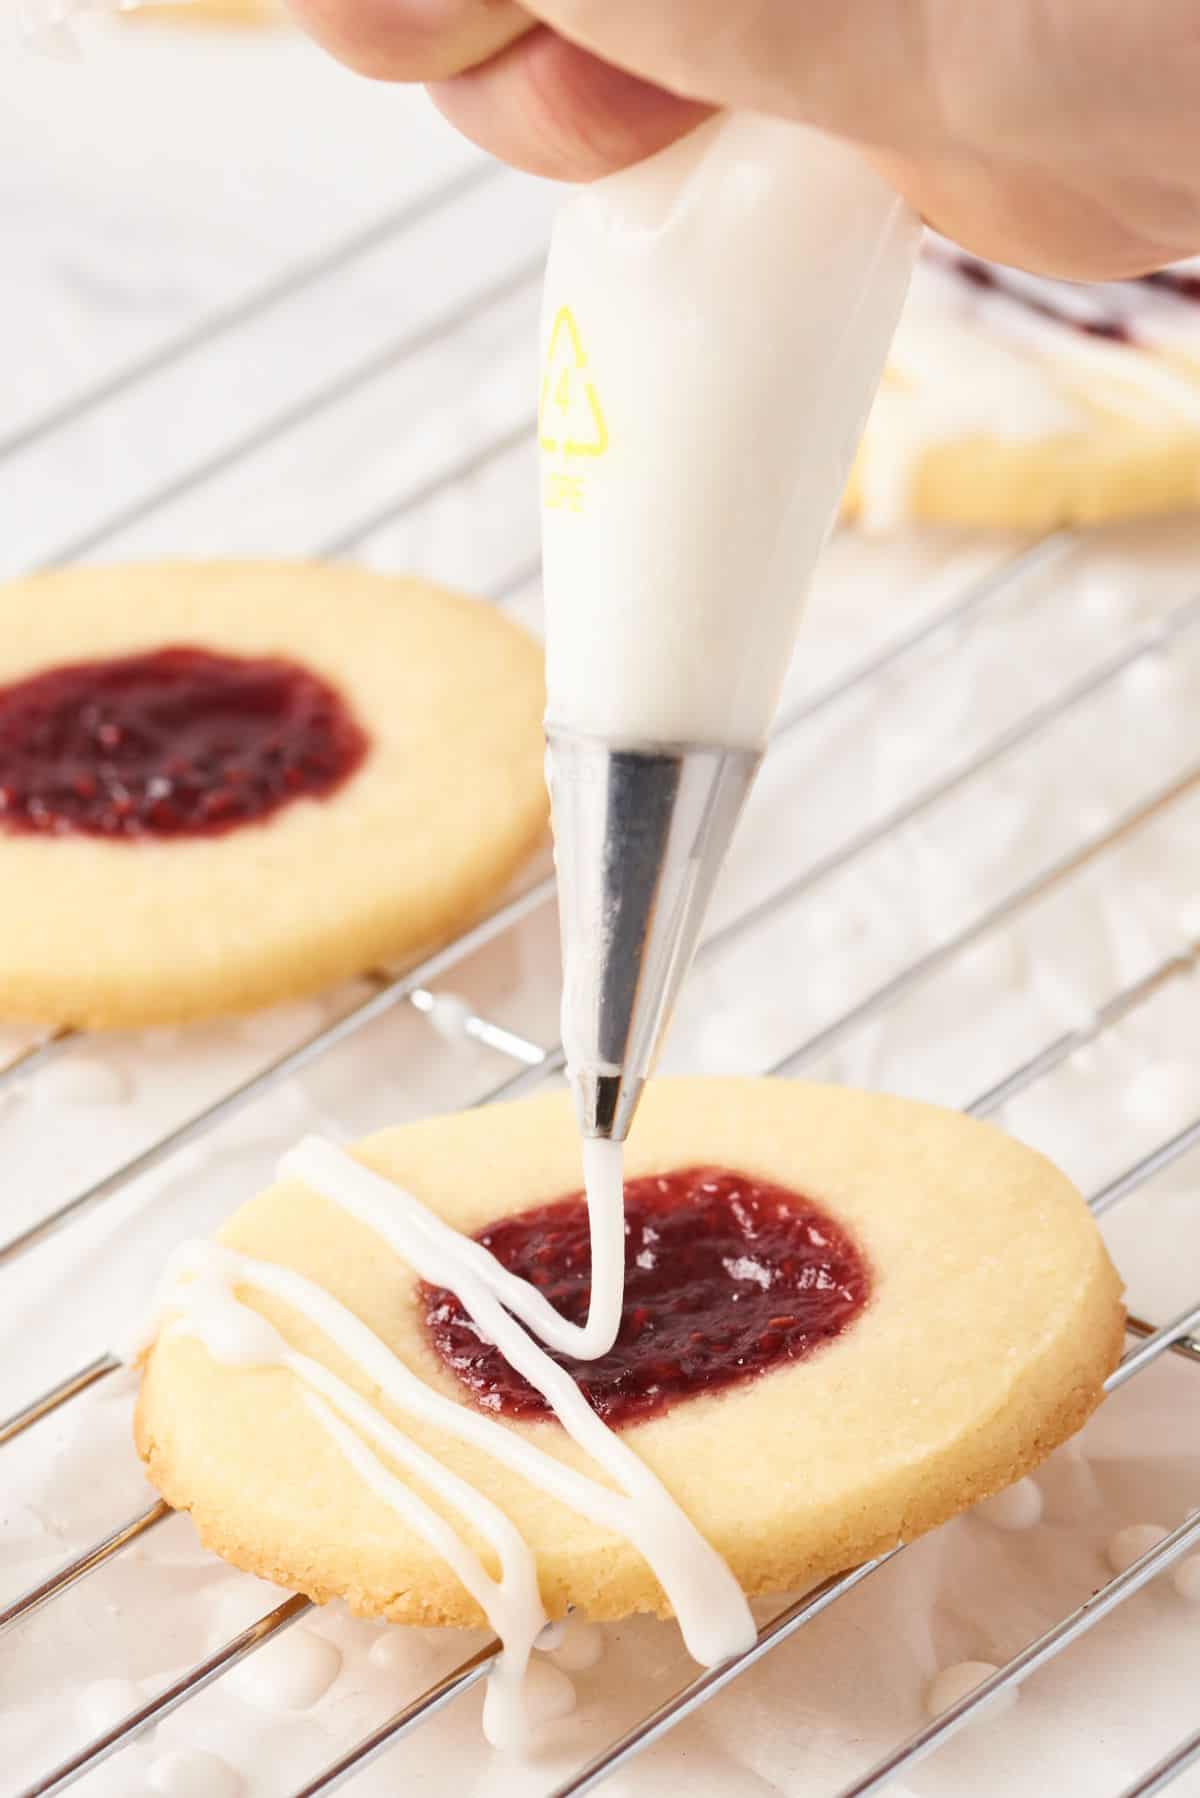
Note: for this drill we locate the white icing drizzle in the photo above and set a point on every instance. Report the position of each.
(603, 1178)
(581, 1646)
(199, 1286)
(417, 1231)
(549, 1693)
(198, 1297)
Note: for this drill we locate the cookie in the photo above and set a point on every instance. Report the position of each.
(962, 1316)
(1016, 402)
(226, 784)
(209, 12)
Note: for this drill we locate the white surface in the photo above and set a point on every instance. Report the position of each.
(228, 162)
(715, 323)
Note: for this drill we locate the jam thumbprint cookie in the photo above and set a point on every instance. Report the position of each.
(1019, 402)
(846, 1318)
(223, 785)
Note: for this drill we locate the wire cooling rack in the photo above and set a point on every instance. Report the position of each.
(967, 590)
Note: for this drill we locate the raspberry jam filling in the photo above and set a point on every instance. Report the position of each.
(1041, 300)
(725, 1277)
(177, 742)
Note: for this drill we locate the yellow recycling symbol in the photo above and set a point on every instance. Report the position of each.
(570, 416)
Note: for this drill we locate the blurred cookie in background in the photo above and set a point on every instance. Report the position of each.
(1014, 401)
(254, 13)
(226, 784)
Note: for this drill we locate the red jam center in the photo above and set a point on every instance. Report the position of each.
(725, 1277)
(1117, 329)
(179, 742)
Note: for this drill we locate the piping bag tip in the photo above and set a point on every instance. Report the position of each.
(641, 832)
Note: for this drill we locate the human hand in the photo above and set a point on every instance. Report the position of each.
(1060, 135)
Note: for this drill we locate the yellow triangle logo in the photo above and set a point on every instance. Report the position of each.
(570, 417)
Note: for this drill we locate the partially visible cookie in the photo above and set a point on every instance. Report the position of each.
(1018, 402)
(209, 12)
(225, 784)
(962, 1317)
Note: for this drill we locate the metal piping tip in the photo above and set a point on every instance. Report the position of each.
(640, 833)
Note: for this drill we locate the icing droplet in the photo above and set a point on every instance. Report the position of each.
(953, 1683)
(81, 1080)
(449, 1016)
(552, 1636)
(1131, 1543)
(289, 1675)
(193, 1774)
(581, 1646)
(402, 1653)
(107, 1701)
(1156, 1095)
(1186, 1579)
(547, 1693)
(1019, 1507)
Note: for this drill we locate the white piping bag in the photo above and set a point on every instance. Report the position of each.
(716, 322)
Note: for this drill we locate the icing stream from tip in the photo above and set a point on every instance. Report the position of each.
(199, 1296)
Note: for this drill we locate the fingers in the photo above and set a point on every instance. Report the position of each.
(773, 55)
(412, 40)
(858, 67)
(1055, 221)
(547, 106)
(1019, 129)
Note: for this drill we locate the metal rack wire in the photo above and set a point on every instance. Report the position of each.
(536, 1062)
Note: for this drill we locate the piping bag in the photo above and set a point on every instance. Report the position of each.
(715, 324)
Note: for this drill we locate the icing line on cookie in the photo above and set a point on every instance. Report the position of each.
(712, 1610)
(373, 1201)
(197, 1297)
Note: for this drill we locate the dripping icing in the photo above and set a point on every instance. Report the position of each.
(198, 1296)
